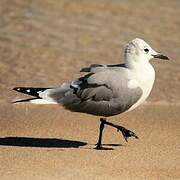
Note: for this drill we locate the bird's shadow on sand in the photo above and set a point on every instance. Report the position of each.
(47, 143)
(40, 142)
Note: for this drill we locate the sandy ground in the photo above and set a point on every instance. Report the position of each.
(43, 43)
(46, 142)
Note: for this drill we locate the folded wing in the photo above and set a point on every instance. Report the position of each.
(103, 94)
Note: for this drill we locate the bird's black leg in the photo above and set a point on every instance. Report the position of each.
(101, 128)
(125, 132)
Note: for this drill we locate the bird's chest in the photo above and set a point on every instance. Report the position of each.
(145, 79)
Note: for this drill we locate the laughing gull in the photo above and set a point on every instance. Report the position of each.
(105, 90)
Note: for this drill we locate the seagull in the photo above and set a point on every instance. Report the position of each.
(105, 90)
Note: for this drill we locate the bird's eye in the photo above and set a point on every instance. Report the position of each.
(146, 50)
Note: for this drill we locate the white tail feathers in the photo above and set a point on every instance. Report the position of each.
(42, 101)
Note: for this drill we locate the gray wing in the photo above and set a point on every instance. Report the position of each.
(103, 94)
(100, 67)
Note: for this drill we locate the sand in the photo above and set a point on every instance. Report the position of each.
(44, 43)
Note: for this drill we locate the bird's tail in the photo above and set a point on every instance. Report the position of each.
(40, 95)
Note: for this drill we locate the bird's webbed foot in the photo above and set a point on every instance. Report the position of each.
(126, 133)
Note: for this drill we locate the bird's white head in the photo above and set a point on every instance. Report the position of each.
(139, 52)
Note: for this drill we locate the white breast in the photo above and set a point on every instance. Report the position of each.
(145, 78)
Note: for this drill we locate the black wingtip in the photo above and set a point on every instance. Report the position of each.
(30, 90)
(26, 90)
(16, 88)
(22, 100)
